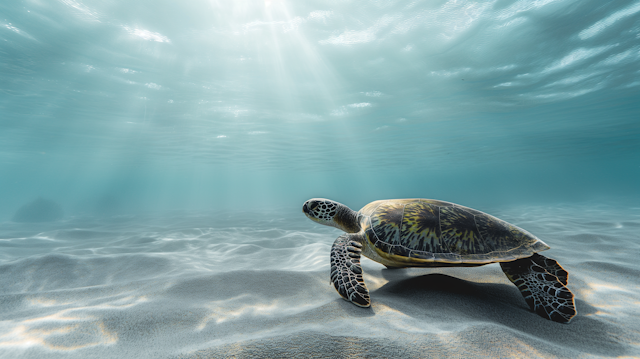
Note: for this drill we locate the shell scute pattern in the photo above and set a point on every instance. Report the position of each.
(441, 231)
(422, 255)
(386, 223)
(459, 231)
(497, 232)
(421, 228)
(435, 202)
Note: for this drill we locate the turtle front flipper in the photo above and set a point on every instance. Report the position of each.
(346, 272)
(541, 281)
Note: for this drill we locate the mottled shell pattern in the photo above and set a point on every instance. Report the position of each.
(432, 233)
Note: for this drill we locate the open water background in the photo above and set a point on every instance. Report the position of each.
(120, 107)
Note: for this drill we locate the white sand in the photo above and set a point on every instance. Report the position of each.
(147, 305)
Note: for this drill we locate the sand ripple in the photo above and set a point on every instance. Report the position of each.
(184, 287)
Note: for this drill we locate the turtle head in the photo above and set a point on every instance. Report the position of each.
(331, 213)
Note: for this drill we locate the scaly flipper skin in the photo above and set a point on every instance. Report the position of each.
(552, 267)
(346, 272)
(542, 281)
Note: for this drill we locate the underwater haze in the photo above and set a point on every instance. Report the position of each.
(155, 156)
(123, 106)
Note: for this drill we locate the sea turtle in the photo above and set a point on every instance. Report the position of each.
(429, 233)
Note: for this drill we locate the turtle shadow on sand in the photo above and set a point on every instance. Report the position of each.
(443, 298)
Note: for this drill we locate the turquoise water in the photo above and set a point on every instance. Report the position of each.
(173, 143)
(114, 107)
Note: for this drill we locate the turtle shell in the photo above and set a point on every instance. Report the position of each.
(430, 232)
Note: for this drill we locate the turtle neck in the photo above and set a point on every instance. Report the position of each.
(346, 219)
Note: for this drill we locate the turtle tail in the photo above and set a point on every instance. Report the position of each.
(542, 283)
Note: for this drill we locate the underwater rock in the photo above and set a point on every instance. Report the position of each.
(40, 210)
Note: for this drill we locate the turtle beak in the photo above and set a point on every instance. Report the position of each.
(307, 210)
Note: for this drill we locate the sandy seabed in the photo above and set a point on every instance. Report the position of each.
(187, 286)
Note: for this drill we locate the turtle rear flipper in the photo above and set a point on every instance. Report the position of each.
(542, 281)
(346, 272)
(552, 267)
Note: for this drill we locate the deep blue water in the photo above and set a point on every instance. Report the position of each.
(119, 107)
